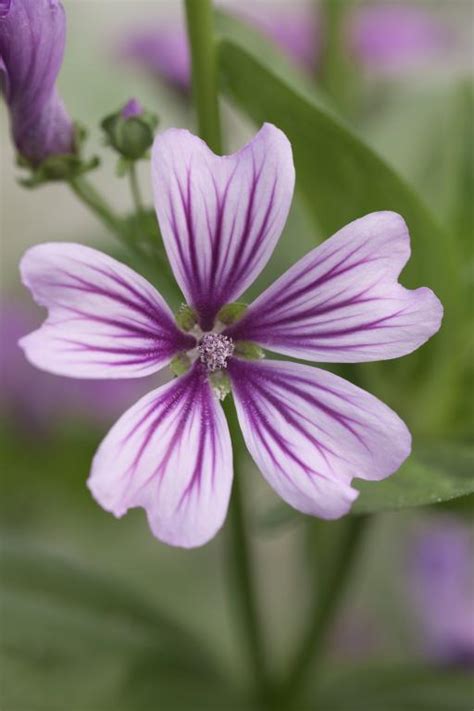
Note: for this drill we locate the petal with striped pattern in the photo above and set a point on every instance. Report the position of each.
(104, 320)
(170, 454)
(220, 216)
(342, 303)
(311, 432)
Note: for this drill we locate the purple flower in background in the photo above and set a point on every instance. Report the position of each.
(162, 51)
(442, 587)
(36, 402)
(309, 431)
(390, 37)
(32, 38)
(385, 37)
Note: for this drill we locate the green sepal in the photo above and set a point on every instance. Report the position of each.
(180, 364)
(230, 313)
(61, 167)
(220, 383)
(249, 350)
(131, 137)
(186, 317)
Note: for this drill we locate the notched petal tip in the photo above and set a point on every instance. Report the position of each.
(342, 302)
(220, 216)
(104, 320)
(171, 455)
(311, 433)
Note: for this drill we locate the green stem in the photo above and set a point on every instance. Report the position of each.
(332, 587)
(336, 72)
(200, 24)
(88, 194)
(242, 569)
(135, 189)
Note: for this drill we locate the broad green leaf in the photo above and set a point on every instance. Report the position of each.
(397, 688)
(73, 638)
(341, 179)
(435, 473)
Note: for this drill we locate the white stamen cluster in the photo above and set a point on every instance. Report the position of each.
(214, 350)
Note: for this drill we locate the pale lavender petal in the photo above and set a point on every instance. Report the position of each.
(342, 302)
(170, 454)
(32, 38)
(220, 216)
(390, 37)
(310, 432)
(105, 320)
(36, 402)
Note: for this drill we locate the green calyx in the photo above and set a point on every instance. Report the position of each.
(130, 137)
(220, 383)
(61, 166)
(180, 364)
(186, 317)
(230, 313)
(248, 350)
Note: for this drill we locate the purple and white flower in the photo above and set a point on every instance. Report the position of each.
(32, 39)
(309, 431)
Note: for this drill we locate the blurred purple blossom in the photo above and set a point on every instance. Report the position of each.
(390, 37)
(32, 39)
(385, 37)
(35, 401)
(442, 587)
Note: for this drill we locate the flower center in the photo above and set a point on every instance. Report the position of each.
(214, 351)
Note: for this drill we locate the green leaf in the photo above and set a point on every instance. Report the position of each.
(341, 178)
(434, 473)
(72, 638)
(396, 689)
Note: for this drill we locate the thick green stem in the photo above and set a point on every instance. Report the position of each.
(200, 23)
(333, 580)
(336, 71)
(242, 572)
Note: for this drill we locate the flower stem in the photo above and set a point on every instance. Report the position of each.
(242, 569)
(334, 579)
(135, 189)
(200, 24)
(88, 194)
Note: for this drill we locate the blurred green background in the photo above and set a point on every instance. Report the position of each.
(90, 603)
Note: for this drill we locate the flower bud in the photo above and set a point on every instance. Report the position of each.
(130, 130)
(32, 39)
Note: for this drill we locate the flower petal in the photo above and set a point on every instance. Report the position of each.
(171, 454)
(310, 432)
(220, 216)
(342, 303)
(105, 320)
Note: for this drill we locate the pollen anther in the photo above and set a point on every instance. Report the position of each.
(214, 350)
